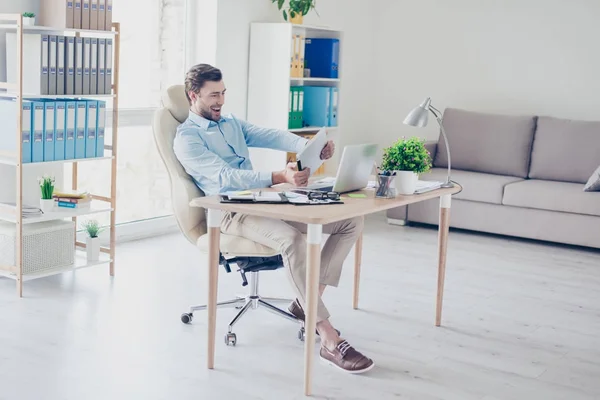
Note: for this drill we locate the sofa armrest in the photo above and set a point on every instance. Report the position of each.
(432, 146)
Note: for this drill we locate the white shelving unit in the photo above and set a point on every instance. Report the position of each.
(100, 203)
(269, 81)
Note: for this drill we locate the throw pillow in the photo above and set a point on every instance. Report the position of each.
(593, 184)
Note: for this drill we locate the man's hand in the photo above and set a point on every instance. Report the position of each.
(328, 150)
(291, 175)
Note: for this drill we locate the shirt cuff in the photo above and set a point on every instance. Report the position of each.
(266, 178)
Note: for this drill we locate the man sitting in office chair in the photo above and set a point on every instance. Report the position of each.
(213, 149)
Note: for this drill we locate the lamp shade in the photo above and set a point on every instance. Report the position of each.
(419, 115)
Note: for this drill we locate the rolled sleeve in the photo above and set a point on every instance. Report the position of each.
(275, 139)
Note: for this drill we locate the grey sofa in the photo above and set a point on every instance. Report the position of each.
(523, 176)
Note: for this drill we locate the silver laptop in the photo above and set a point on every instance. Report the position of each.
(353, 172)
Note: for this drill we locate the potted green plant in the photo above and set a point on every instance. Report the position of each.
(28, 18)
(406, 159)
(296, 9)
(47, 190)
(92, 241)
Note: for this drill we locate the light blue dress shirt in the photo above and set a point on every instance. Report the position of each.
(216, 155)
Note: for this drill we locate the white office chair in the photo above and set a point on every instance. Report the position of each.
(250, 257)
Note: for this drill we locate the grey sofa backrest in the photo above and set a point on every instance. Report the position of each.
(483, 142)
(565, 150)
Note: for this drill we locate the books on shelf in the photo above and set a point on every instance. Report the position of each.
(61, 65)
(69, 199)
(77, 14)
(55, 129)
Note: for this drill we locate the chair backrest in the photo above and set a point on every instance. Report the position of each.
(174, 111)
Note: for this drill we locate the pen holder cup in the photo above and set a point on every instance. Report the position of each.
(384, 187)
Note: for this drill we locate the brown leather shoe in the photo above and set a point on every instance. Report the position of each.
(296, 310)
(346, 358)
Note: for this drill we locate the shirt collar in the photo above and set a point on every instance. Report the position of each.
(201, 121)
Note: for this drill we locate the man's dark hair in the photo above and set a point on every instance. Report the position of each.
(198, 75)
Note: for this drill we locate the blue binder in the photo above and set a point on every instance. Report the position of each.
(90, 131)
(100, 125)
(70, 126)
(37, 127)
(81, 127)
(316, 105)
(49, 130)
(59, 137)
(333, 106)
(321, 56)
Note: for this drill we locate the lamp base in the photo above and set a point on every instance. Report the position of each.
(447, 184)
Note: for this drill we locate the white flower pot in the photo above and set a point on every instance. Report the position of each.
(29, 21)
(406, 182)
(92, 247)
(47, 205)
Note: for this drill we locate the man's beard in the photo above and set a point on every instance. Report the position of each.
(207, 114)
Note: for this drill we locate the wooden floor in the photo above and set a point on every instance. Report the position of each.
(521, 321)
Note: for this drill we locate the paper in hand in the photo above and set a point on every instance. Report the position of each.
(310, 156)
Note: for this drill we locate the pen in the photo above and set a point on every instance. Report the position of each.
(299, 165)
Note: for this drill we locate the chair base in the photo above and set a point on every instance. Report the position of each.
(243, 304)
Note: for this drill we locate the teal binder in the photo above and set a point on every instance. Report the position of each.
(37, 127)
(49, 130)
(101, 124)
(59, 137)
(70, 112)
(91, 121)
(80, 130)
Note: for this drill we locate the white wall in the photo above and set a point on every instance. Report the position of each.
(513, 56)
(354, 17)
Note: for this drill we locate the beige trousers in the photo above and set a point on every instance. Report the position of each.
(287, 238)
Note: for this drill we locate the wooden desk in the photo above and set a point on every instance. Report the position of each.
(315, 217)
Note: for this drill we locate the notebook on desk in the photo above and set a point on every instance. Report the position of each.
(259, 197)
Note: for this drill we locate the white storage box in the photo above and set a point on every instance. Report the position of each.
(46, 245)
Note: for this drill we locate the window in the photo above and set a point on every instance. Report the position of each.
(152, 58)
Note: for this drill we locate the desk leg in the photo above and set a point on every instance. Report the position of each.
(357, 263)
(214, 237)
(443, 229)
(313, 266)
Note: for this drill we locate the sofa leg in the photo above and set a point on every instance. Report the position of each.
(394, 221)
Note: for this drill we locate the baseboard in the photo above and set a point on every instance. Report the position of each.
(138, 230)
(394, 221)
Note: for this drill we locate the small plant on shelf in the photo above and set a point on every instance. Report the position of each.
(92, 244)
(92, 228)
(47, 190)
(296, 9)
(28, 18)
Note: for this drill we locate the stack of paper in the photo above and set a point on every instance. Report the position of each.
(427, 186)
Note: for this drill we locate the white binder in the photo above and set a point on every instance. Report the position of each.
(70, 68)
(108, 75)
(60, 72)
(94, 66)
(101, 65)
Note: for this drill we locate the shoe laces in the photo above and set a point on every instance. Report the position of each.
(344, 346)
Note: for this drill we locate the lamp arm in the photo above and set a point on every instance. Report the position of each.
(448, 181)
(435, 111)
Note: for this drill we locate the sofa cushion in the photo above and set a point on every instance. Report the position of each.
(480, 142)
(477, 186)
(593, 184)
(551, 195)
(565, 150)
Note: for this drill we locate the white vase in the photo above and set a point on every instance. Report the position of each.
(47, 205)
(29, 21)
(92, 247)
(406, 182)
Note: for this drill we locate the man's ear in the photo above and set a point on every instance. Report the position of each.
(193, 96)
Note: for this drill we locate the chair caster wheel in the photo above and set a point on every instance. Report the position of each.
(186, 318)
(230, 339)
(302, 334)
